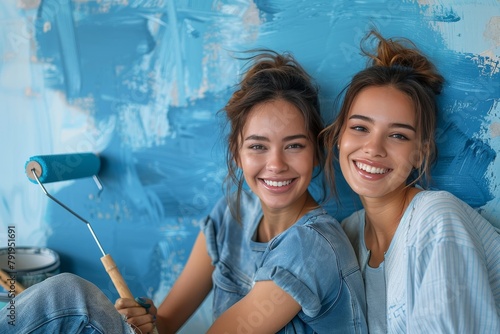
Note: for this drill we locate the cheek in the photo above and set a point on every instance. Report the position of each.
(346, 147)
(247, 163)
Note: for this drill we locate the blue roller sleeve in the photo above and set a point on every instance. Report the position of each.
(62, 167)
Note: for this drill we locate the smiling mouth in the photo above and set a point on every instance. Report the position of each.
(371, 169)
(277, 183)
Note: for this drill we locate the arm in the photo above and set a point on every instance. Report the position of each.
(266, 309)
(189, 291)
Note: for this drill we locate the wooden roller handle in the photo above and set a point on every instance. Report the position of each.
(116, 277)
(6, 282)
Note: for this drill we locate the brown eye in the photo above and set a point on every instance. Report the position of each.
(399, 136)
(256, 147)
(358, 128)
(295, 146)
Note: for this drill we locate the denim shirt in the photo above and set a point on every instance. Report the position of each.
(313, 261)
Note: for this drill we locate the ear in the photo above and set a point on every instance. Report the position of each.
(338, 145)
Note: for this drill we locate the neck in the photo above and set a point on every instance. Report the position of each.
(382, 220)
(275, 222)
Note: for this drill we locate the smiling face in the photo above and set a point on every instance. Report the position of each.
(378, 145)
(276, 154)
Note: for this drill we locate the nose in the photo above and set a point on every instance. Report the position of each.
(276, 162)
(374, 146)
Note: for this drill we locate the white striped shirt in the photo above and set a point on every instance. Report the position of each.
(442, 267)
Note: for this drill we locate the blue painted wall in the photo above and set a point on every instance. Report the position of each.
(140, 82)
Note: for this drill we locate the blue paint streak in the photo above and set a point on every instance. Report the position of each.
(92, 54)
(469, 95)
(65, 27)
(462, 166)
(445, 15)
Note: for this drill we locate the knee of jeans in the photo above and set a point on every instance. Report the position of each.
(71, 282)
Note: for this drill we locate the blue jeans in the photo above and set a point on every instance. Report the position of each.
(64, 303)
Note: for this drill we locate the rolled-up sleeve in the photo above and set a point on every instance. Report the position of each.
(303, 264)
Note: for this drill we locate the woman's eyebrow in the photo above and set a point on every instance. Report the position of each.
(287, 138)
(294, 137)
(257, 137)
(391, 125)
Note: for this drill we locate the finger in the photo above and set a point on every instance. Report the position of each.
(147, 304)
(145, 323)
(123, 303)
(133, 312)
(146, 329)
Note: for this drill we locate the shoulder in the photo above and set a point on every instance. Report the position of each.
(442, 205)
(439, 216)
(316, 226)
(317, 243)
(321, 237)
(304, 233)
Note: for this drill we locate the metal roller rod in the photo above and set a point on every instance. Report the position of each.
(70, 211)
(98, 183)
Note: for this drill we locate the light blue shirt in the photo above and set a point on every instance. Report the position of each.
(442, 268)
(375, 298)
(313, 261)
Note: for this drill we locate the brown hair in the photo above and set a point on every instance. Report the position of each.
(271, 76)
(399, 64)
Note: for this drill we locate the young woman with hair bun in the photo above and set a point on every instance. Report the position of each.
(430, 262)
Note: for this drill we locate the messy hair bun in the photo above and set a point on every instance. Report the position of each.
(402, 52)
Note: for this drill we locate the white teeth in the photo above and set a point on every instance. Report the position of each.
(277, 184)
(371, 169)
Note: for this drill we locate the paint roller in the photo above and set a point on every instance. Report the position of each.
(61, 167)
